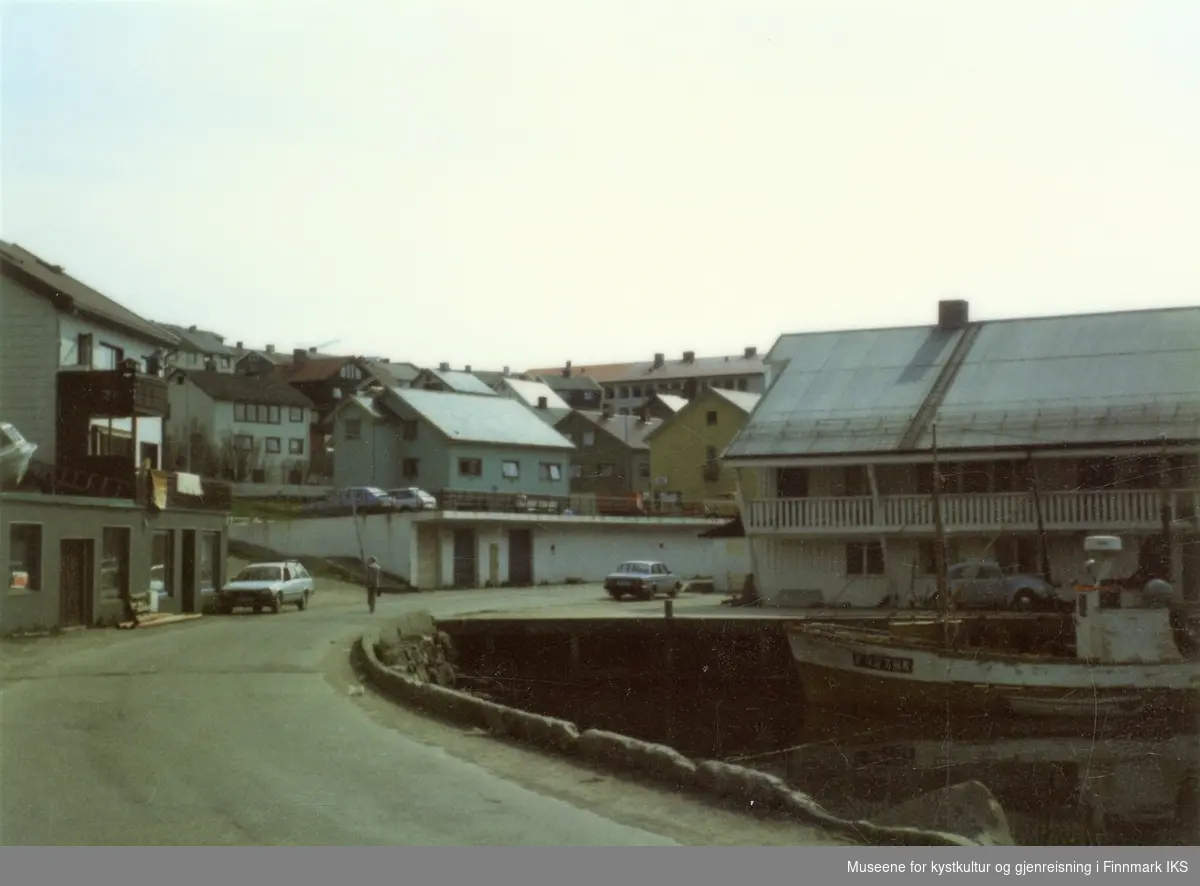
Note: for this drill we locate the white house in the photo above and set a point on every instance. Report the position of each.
(51, 324)
(1046, 428)
(249, 428)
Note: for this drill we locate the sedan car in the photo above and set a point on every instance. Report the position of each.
(266, 586)
(985, 585)
(412, 499)
(642, 579)
(354, 499)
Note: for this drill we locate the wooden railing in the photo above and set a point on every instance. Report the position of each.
(1084, 510)
(628, 505)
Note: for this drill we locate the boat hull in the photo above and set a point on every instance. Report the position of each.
(893, 681)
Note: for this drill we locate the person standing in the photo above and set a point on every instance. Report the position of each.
(374, 573)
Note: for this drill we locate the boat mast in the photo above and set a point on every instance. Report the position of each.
(1043, 550)
(1164, 481)
(939, 546)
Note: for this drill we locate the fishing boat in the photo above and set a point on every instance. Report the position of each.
(1125, 659)
(15, 455)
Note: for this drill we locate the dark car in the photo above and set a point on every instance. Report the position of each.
(641, 579)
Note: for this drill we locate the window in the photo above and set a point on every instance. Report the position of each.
(273, 446)
(109, 356)
(210, 558)
(791, 482)
(864, 558)
(576, 471)
(741, 384)
(25, 556)
(351, 372)
(239, 411)
(354, 429)
(83, 349)
(624, 392)
(857, 482)
(510, 470)
(605, 470)
(710, 418)
(470, 467)
(225, 362)
(608, 393)
(257, 413)
(162, 563)
(635, 391)
(550, 471)
(295, 414)
(114, 562)
(410, 467)
(644, 470)
(408, 429)
(589, 438)
(243, 442)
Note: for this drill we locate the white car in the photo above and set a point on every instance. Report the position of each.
(267, 586)
(412, 499)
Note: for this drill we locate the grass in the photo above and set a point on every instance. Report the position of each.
(347, 569)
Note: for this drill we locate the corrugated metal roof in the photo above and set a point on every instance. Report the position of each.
(460, 382)
(743, 400)
(529, 392)
(1098, 378)
(700, 367)
(853, 391)
(84, 297)
(560, 382)
(496, 420)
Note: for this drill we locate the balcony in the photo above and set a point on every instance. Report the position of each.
(1117, 509)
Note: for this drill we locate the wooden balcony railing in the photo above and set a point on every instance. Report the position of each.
(628, 505)
(1082, 510)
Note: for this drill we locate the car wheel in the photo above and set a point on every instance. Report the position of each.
(277, 604)
(1025, 600)
(675, 589)
(616, 595)
(302, 603)
(257, 609)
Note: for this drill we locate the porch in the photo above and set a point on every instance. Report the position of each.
(1113, 510)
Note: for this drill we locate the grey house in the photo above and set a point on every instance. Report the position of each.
(451, 381)
(445, 442)
(199, 350)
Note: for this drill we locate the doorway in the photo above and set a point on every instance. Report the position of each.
(464, 558)
(520, 556)
(188, 602)
(75, 583)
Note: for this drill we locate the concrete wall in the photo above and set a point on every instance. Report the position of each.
(730, 563)
(62, 517)
(586, 550)
(679, 449)
(28, 365)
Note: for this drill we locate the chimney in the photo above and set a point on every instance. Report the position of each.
(312, 350)
(443, 367)
(606, 412)
(192, 328)
(659, 360)
(467, 368)
(299, 356)
(567, 370)
(643, 415)
(270, 349)
(506, 372)
(542, 403)
(751, 352)
(239, 346)
(952, 314)
(689, 356)
(387, 359)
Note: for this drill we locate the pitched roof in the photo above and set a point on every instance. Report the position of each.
(528, 393)
(573, 382)
(459, 382)
(699, 367)
(48, 278)
(491, 377)
(495, 420)
(313, 369)
(629, 429)
(741, 400)
(392, 374)
(1099, 378)
(227, 388)
(672, 402)
(199, 341)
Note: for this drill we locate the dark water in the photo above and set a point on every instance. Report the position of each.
(1089, 784)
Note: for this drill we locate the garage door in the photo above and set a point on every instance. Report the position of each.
(428, 558)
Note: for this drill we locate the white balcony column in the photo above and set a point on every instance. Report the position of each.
(876, 518)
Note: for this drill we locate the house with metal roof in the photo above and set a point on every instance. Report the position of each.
(627, 386)
(247, 429)
(1044, 428)
(450, 381)
(448, 443)
(665, 406)
(536, 395)
(578, 390)
(611, 459)
(199, 349)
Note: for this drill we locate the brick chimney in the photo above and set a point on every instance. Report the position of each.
(299, 355)
(659, 360)
(689, 356)
(751, 352)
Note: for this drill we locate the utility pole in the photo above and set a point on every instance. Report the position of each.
(1164, 483)
(939, 546)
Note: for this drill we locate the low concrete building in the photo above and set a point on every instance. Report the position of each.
(69, 559)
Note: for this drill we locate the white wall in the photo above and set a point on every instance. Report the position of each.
(585, 552)
(70, 328)
(730, 563)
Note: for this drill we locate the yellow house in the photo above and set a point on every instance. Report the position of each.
(685, 450)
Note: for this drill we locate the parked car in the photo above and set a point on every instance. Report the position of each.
(642, 579)
(984, 584)
(412, 499)
(353, 499)
(15, 455)
(267, 586)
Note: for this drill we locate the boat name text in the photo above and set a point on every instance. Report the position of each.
(883, 663)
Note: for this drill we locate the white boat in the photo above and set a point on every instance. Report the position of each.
(15, 455)
(1127, 661)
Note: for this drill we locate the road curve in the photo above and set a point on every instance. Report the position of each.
(236, 731)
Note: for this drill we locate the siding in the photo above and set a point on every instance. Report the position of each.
(678, 451)
(627, 463)
(28, 365)
(493, 480)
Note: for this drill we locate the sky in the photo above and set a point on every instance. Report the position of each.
(525, 183)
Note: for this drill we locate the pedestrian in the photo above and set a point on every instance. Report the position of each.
(373, 575)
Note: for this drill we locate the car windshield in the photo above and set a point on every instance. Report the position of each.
(260, 573)
(640, 568)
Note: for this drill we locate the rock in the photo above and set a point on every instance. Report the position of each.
(356, 690)
(606, 748)
(443, 675)
(662, 762)
(968, 809)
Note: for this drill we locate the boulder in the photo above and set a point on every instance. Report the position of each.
(968, 809)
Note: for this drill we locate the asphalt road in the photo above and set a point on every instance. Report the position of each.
(243, 730)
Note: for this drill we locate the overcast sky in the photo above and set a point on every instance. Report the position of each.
(522, 183)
